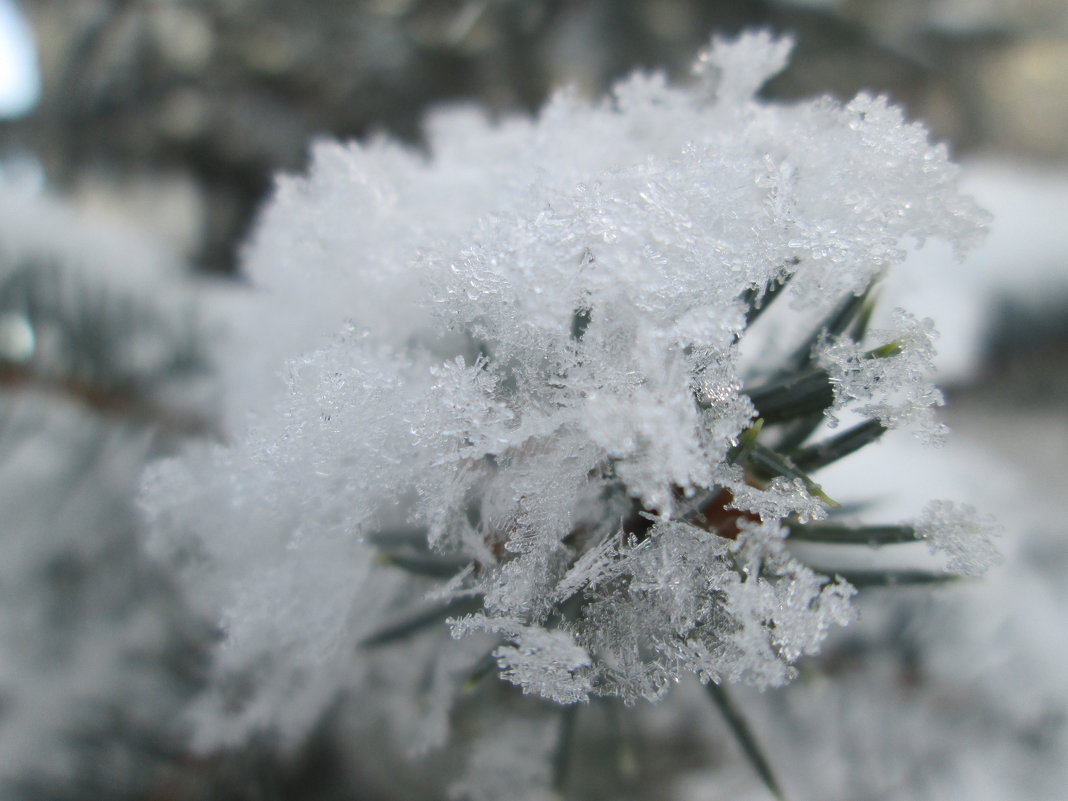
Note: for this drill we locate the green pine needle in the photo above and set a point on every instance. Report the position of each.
(863, 579)
(863, 320)
(875, 536)
(797, 431)
(564, 748)
(766, 463)
(486, 664)
(423, 564)
(744, 735)
(830, 450)
(410, 624)
(797, 395)
(847, 314)
(885, 351)
(392, 538)
(757, 302)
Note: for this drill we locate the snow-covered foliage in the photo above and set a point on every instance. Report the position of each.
(517, 362)
(97, 652)
(92, 308)
(947, 693)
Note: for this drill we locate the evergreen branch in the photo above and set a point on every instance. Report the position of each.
(80, 343)
(110, 402)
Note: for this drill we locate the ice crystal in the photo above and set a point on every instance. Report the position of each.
(964, 535)
(896, 387)
(538, 372)
(546, 663)
(685, 602)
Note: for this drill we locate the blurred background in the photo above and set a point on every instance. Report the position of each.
(138, 138)
(174, 114)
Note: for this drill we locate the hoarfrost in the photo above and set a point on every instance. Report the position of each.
(546, 663)
(960, 532)
(542, 373)
(688, 602)
(896, 387)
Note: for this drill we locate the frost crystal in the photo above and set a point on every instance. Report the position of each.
(961, 533)
(516, 363)
(895, 387)
(546, 663)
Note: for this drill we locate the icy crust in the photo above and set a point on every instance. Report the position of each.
(537, 307)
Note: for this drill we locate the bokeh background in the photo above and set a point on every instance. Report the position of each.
(138, 138)
(174, 114)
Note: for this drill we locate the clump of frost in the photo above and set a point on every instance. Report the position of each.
(525, 348)
(546, 663)
(935, 694)
(960, 532)
(895, 388)
(681, 604)
(97, 651)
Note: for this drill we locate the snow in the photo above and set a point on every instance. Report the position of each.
(97, 650)
(529, 344)
(896, 390)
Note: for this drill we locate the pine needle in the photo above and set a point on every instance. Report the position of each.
(744, 735)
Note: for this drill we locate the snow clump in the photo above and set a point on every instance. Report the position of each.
(516, 362)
